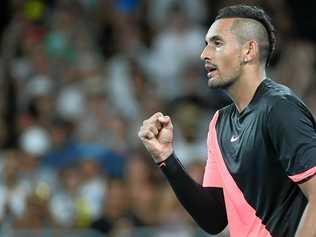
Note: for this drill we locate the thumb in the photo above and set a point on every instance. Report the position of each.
(166, 121)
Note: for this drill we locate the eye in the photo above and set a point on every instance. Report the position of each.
(217, 43)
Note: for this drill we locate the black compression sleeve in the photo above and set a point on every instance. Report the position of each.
(204, 204)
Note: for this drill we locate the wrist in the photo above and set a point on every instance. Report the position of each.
(171, 166)
(162, 157)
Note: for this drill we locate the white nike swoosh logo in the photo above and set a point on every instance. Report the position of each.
(234, 138)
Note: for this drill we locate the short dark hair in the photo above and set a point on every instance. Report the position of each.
(259, 15)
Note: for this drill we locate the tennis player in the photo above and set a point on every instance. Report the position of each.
(260, 173)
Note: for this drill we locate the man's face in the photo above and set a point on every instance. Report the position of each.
(222, 55)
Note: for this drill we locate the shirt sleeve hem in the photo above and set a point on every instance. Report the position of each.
(304, 175)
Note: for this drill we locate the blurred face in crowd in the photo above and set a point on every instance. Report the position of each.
(71, 179)
(89, 168)
(222, 55)
(117, 199)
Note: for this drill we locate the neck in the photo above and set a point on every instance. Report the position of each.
(244, 88)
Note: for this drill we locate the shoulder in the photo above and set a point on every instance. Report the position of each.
(283, 103)
(278, 96)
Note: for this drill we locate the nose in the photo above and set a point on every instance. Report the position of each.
(205, 53)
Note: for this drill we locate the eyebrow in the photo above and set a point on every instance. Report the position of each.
(213, 38)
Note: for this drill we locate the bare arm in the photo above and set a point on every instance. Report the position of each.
(307, 226)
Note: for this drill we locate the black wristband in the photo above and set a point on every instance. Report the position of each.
(171, 166)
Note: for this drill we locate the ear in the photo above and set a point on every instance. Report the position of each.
(250, 51)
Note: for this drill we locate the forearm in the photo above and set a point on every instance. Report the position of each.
(205, 205)
(307, 227)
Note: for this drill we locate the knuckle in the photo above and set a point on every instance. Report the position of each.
(156, 115)
(140, 135)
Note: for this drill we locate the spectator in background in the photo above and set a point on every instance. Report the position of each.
(144, 195)
(168, 59)
(189, 134)
(158, 11)
(116, 213)
(40, 102)
(36, 215)
(93, 186)
(13, 191)
(65, 149)
(93, 124)
(65, 205)
(127, 85)
(173, 220)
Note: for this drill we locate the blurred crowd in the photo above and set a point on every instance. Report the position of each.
(77, 79)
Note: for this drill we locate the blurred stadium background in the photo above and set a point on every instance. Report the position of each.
(77, 78)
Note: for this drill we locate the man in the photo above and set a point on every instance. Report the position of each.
(259, 177)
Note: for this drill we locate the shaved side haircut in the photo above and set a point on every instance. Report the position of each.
(252, 23)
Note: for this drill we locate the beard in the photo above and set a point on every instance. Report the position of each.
(225, 82)
(220, 83)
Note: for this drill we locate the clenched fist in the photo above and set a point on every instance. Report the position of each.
(157, 136)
